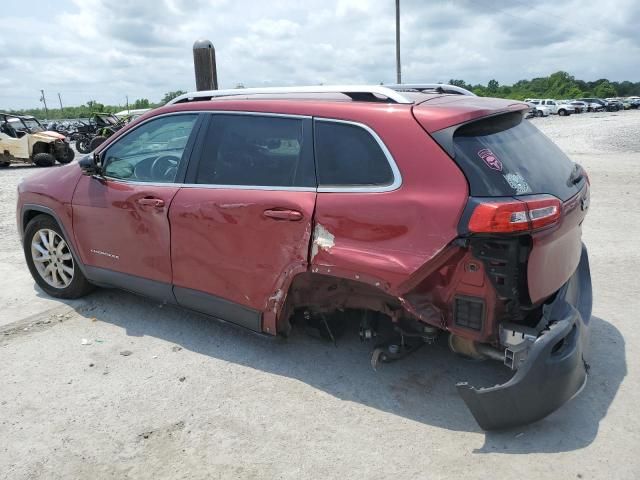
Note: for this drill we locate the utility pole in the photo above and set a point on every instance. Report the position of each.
(60, 100)
(127, 97)
(398, 69)
(44, 100)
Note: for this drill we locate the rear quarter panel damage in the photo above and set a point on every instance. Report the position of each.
(384, 238)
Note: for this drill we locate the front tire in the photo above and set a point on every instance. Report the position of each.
(539, 113)
(50, 261)
(67, 156)
(44, 159)
(82, 144)
(96, 142)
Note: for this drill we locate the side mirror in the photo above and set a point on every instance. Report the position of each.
(90, 165)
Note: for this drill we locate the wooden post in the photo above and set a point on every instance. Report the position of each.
(204, 63)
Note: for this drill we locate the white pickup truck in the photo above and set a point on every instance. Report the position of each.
(554, 106)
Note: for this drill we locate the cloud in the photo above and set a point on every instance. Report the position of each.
(104, 50)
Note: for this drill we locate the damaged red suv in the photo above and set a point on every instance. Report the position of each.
(437, 212)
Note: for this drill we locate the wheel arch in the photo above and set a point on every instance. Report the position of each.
(41, 147)
(325, 293)
(31, 211)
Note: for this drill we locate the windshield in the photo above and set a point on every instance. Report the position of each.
(30, 125)
(506, 155)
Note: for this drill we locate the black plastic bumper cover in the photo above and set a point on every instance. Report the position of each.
(555, 369)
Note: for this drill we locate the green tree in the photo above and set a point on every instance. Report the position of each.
(460, 83)
(605, 90)
(493, 86)
(171, 95)
(141, 103)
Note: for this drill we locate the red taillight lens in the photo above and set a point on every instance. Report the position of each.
(510, 216)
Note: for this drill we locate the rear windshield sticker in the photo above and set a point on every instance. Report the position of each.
(518, 183)
(490, 159)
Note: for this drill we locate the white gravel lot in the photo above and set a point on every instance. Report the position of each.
(200, 399)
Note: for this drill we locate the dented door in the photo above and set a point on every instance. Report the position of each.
(241, 227)
(240, 245)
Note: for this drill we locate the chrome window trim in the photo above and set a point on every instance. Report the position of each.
(248, 187)
(209, 186)
(397, 176)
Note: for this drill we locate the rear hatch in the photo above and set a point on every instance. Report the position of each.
(520, 184)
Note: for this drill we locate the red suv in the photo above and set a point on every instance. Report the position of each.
(438, 213)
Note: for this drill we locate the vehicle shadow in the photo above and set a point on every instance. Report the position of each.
(420, 387)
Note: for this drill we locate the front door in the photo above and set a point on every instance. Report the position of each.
(240, 229)
(121, 222)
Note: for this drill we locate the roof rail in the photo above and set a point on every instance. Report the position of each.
(430, 87)
(355, 92)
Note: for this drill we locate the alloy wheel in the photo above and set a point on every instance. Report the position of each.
(52, 258)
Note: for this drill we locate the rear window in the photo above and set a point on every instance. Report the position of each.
(348, 155)
(506, 155)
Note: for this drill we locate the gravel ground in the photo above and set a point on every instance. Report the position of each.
(162, 393)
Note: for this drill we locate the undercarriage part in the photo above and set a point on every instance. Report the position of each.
(393, 350)
(369, 325)
(470, 349)
(328, 326)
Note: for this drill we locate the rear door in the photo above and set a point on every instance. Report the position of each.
(240, 227)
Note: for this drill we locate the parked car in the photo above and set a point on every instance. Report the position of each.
(558, 108)
(537, 110)
(24, 140)
(615, 104)
(597, 104)
(446, 215)
(580, 107)
(634, 102)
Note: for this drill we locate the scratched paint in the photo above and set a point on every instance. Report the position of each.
(323, 239)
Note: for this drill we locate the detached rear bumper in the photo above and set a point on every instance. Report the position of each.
(555, 369)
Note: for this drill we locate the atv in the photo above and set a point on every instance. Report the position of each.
(106, 125)
(23, 139)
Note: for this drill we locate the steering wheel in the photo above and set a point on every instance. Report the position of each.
(165, 167)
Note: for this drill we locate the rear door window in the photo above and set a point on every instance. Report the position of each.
(348, 155)
(256, 150)
(506, 155)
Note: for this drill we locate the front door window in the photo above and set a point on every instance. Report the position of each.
(152, 152)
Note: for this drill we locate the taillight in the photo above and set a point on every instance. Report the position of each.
(508, 216)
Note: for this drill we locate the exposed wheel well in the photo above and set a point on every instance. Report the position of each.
(326, 294)
(41, 147)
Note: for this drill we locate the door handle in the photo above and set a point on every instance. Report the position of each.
(291, 215)
(151, 202)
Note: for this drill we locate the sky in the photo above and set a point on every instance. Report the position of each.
(105, 50)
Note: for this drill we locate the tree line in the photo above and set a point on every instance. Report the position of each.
(557, 85)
